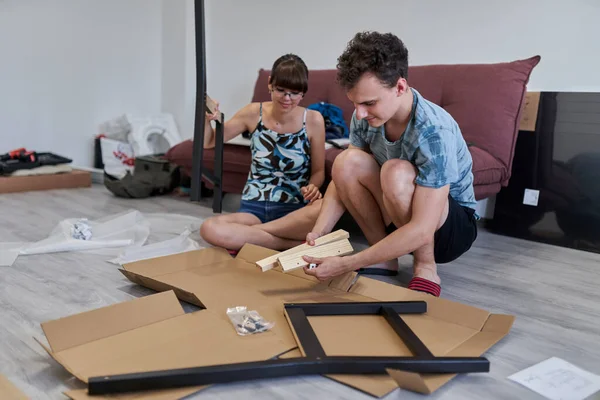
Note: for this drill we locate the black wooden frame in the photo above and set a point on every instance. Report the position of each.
(315, 362)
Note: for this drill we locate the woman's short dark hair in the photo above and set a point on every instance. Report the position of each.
(290, 72)
(381, 54)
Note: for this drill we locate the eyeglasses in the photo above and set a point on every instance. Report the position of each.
(282, 93)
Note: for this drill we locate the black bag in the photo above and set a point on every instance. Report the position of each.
(152, 175)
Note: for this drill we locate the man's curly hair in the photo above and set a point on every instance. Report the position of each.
(381, 54)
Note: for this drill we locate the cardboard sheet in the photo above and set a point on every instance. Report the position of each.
(160, 336)
(66, 180)
(175, 394)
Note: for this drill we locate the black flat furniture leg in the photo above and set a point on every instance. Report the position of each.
(316, 361)
(198, 142)
(218, 175)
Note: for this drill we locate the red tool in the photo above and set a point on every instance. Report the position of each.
(19, 154)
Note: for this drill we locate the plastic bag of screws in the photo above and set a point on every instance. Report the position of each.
(247, 322)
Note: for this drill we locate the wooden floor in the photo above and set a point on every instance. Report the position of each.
(553, 291)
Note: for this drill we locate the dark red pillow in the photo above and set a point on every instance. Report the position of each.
(485, 99)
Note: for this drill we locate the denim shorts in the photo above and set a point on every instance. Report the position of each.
(268, 210)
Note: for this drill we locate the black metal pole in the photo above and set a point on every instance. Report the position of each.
(359, 308)
(411, 340)
(218, 178)
(197, 155)
(307, 338)
(279, 368)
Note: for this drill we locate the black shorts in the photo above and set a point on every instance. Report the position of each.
(456, 236)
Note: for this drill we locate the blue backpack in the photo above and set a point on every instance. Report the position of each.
(335, 126)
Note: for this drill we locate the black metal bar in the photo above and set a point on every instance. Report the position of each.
(411, 340)
(307, 338)
(198, 142)
(218, 185)
(359, 308)
(315, 362)
(280, 368)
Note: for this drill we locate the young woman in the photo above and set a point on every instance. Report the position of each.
(281, 199)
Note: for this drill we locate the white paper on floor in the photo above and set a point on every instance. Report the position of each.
(9, 253)
(179, 244)
(557, 379)
(109, 235)
(173, 223)
(128, 228)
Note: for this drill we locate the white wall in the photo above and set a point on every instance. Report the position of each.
(67, 65)
(179, 63)
(173, 84)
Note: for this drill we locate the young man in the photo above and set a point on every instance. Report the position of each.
(406, 178)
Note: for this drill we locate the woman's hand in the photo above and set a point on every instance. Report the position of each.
(311, 193)
(216, 115)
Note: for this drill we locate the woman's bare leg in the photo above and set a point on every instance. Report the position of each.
(232, 231)
(295, 225)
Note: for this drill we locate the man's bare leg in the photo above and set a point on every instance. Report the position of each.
(356, 176)
(232, 231)
(398, 186)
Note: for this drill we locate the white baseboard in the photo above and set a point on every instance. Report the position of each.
(97, 173)
(485, 207)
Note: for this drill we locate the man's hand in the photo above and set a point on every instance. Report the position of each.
(326, 268)
(311, 193)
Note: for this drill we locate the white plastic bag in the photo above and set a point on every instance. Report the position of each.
(109, 235)
(124, 229)
(117, 157)
(179, 244)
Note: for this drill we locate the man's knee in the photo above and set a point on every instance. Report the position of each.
(350, 164)
(398, 178)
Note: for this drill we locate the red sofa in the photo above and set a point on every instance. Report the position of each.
(485, 99)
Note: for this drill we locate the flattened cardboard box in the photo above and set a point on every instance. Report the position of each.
(153, 333)
(66, 180)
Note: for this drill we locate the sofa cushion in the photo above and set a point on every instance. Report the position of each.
(486, 168)
(485, 191)
(485, 99)
(235, 158)
(181, 155)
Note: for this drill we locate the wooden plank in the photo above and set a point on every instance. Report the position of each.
(270, 262)
(530, 111)
(211, 105)
(295, 261)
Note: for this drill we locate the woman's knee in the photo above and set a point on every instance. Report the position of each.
(351, 164)
(211, 231)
